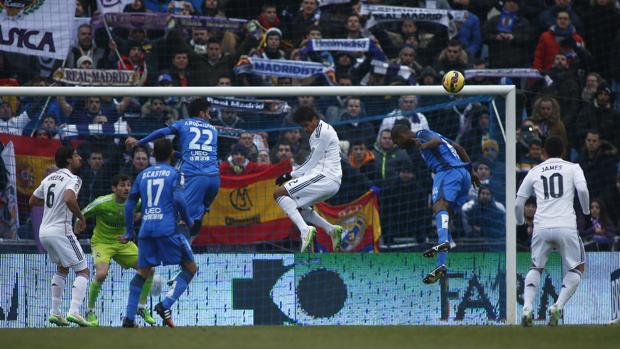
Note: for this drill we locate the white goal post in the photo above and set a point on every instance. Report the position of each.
(506, 91)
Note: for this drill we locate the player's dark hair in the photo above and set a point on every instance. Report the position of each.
(118, 178)
(63, 154)
(554, 147)
(196, 106)
(162, 150)
(399, 130)
(304, 114)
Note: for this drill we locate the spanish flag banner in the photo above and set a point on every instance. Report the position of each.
(360, 220)
(244, 210)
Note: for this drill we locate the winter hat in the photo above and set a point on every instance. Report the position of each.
(84, 59)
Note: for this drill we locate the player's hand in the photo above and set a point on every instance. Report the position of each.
(419, 144)
(475, 181)
(130, 142)
(79, 226)
(284, 178)
(125, 238)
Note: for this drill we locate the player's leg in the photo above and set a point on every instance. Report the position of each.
(51, 245)
(334, 231)
(289, 206)
(101, 272)
(177, 251)
(127, 257)
(200, 191)
(315, 192)
(541, 248)
(573, 256)
(147, 259)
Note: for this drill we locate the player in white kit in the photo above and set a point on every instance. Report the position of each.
(316, 180)
(555, 225)
(58, 193)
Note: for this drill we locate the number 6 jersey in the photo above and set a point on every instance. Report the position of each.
(57, 218)
(554, 183)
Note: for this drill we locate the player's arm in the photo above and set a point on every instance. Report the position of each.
(159, 133)
(70, 197)
(91, 209)
(36, 199)
(427, 140)
(582, 191)
(313, 158)
(462, 153)
(179, 203)
(525, 191)
(130, 205)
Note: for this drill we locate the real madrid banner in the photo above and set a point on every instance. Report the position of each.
(97, 77)
(360, 220)
(37, 27)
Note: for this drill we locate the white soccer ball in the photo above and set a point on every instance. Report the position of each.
(453, 81)
(156, 286)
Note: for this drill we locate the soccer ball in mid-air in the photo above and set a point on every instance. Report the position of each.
(453, 81)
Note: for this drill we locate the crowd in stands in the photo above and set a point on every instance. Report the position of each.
(574, 44)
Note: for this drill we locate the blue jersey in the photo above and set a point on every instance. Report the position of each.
(198, 140)
(441, 158)
(156, 187)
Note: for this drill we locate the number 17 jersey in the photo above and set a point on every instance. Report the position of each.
(198, 141)
(553, 183)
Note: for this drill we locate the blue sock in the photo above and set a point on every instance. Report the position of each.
(181, 282)
(135, 287)
(442, 221)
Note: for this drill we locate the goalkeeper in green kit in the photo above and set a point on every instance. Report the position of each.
(109, 211)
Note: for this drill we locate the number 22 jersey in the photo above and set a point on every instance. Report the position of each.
(198, 141)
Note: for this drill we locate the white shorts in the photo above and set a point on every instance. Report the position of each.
(564, 240)
(64, 250)
(309, 190)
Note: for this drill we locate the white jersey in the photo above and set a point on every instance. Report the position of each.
(324, 157)
(554, 182)
(57, 218)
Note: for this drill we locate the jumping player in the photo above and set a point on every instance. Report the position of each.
(554, 182)
(316, 180)
(453, 178)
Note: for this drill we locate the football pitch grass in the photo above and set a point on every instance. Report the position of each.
(340, 337)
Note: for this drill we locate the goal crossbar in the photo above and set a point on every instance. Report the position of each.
(506, 91)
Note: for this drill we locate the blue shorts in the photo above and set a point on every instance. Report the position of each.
(164, 250)
(452, 185)
(199, 194)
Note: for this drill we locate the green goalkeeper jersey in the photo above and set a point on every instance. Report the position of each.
(110, 216)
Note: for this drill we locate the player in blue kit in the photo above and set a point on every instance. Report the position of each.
(199, 165)
(160, 188)
(452, 167)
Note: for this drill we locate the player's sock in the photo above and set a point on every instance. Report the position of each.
(532, 279)
(93, 293)
(146, 290)
(569, 286)
(289, 206)
(442, 220)
(180, 285)
(58, 288)
(135, 287)
(78, 291)
(315, 219)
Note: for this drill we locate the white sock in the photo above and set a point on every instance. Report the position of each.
(532, 280)
(78, 291)
(569, 286)
(289, 206)
(58, 288)
(310, 215)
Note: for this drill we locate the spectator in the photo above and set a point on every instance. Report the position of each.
(247, 140)
(549, 42)
(472, 139)
(598, 161)
(281, 152)
(484, 217)
(548, 18)
(362, 159)
(263, 158)
(211, 8)
(85, 62)
(406, 105)
(600, 115)
(214, 64)
(612, 201)
(469, 32)
(95, 178)
(482, 169)
(532, 158)
(155, 114)
(599, 231)
(238, 164)
(179, 69)
(546, 117)
(82, 111)
(525, 231)
(508, 36)
(9, 123)
(294, 138)
(139, 161)
(407, 57)
(453, 57)
(388, 158)
(85, 47)
(601, 22)
(351, 127)
(42, 134)
(307, 16)
(593, 80)
(268, 17)
(271, 48)
(49, 124)
(490, 154)
(134, 59)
